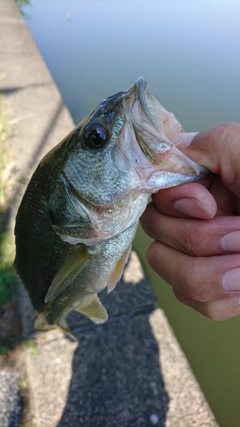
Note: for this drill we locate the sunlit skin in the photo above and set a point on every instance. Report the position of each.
(196, 226)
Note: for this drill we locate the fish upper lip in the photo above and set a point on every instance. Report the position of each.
(135, 103)
(138, 92)
(141, 85)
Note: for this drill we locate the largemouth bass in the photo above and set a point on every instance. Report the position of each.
(80, 211)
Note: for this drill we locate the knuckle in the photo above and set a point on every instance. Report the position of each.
(191, 241)
(152, 256)
(181, 297)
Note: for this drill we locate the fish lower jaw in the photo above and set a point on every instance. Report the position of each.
(154, 177)
(164, 179)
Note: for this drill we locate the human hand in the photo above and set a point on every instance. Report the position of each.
(196, 226)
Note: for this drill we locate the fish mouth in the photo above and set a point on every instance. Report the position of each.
(135, 99)
(142, 96)
(160, 163)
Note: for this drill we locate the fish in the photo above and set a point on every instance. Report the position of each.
(79, 214)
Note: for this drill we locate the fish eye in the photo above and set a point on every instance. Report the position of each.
(96, 136)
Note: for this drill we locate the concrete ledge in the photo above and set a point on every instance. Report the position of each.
(129, 371)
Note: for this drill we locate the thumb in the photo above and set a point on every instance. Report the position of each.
(218, 149)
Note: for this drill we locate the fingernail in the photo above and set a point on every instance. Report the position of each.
(231, 280)
(231, 242)
(192, 207)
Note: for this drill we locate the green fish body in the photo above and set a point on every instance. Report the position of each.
(80, 211)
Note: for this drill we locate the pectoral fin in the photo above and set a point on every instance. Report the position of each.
(93, 308)
(67, 273)
(118, 270)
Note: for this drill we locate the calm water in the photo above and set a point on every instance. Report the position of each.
(189, 52)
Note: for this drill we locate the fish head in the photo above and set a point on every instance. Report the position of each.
(118, 156)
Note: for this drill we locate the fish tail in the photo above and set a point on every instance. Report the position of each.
(42, 327)
(43, 324)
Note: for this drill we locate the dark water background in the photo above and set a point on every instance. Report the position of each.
(189, 52)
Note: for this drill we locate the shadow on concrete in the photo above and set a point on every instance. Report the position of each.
(116, 379)
(12, 90)
(37, 154)
(53, 122)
